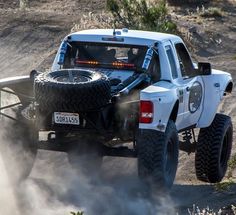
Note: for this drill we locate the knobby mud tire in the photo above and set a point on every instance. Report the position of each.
(54, 92)
(158, 156)
(213, 149)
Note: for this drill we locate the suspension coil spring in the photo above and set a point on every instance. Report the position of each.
(187, 135)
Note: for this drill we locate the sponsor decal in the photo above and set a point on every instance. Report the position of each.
(181, 95)
(195, 97)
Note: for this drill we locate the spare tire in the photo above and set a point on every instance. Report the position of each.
(71, 90)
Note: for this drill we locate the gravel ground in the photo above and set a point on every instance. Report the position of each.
(28, 40)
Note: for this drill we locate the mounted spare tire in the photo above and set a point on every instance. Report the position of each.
(71, 90)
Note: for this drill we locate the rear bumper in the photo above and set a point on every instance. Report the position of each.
(93, 121)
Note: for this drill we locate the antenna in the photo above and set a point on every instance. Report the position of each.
(114, 28)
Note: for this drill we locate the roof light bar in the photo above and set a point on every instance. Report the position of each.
(88, 62)
(119, 64)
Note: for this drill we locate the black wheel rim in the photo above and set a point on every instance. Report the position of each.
(72, 79)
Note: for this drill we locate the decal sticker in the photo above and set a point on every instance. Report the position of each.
(181, 95)
(195, 97)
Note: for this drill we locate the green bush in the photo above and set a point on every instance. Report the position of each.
(142, 15)
(224, 185)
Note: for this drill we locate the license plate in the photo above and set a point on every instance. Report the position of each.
(66, 118)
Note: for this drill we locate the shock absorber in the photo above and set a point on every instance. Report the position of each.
(186, 145)
(187, 136)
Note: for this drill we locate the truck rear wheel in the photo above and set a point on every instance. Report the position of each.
(158, 156)
(213, 149)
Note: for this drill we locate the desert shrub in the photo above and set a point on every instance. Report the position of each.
(141, 14)
(93, 21)
(211, 12)
(231, 165)
(195, 210)
(224, 186)
(232, 162)
(24, 4)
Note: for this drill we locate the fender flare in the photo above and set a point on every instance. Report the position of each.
(228, 88)
(174, 112)
(222, 85)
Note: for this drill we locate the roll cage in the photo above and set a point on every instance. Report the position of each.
(138, 58)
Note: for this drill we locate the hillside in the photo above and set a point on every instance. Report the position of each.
(29, 39)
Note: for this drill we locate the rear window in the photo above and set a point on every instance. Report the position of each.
(104, 55)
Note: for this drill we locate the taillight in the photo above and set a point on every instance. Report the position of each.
(146, 112)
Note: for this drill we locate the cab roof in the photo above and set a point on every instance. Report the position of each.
(122, 36)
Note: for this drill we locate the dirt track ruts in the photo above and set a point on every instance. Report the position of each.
(29, 37)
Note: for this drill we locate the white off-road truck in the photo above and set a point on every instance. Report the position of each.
(110, 87)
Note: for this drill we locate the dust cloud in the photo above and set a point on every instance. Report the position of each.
(8, 203)
(54, 188)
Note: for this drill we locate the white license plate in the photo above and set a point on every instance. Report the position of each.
(66, 118)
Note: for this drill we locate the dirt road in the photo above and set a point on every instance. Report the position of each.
(29, 37)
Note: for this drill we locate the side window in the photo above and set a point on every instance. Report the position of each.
(155, 68)
(185, 61)
(171, 58)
